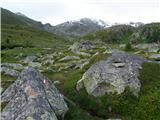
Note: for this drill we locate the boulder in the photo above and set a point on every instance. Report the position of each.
(35, 64)
(69, 58)
(29, 59)
(14, 66)
(33, 97)
(9, 71)
(79, 46)
(113, 75)
(155, 57)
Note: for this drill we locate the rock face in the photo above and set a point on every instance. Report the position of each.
(113, 75)
(33, 97)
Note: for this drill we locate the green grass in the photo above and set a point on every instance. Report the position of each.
(13, 35)
(124, 106)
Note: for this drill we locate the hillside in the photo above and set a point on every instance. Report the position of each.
(21, 31)
(114, 34)
(147, 34)
(11, 18)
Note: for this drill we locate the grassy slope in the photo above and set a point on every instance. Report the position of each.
(115, 34)
(8, 17)
(147, 34)
(124, 33)
(13, 35)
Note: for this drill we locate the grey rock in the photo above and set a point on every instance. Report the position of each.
(14, 66)
(69, 58)
(79, 46)
(113, 75)
(155, 57)
(29, 59)
(9, 71)
(33, 96)
(35, 64)
(82, 53)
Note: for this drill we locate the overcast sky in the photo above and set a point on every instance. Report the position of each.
(58, 11)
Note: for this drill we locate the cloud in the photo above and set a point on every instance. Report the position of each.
(54, 20)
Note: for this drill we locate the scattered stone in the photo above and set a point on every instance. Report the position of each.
(69, 58)
(30, 59)
(82, 53)
(48, 59)
(14, 66)
(9, 71)
(56, 82)
(113, 75)
(33, 97)
(155, 57)
(35, 64)
(79, 46)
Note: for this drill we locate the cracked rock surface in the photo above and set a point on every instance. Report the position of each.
(113, 75)
(33, 97)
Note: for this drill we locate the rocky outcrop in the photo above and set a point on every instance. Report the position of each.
(113, 75)
(79, 46)
(33, 97)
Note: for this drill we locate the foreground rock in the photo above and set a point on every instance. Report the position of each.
(113, 75)
(33, 97)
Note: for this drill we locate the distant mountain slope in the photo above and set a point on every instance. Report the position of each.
(17, 30)
(78, 28)
(8, 17)
(19, 36)
(147, 34)
(114, 34)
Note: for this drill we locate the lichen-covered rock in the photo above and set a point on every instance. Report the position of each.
(78, 46)
(69, 58)
(113, 75)
(155, 57)
(33, 96)
(9, 71)
(14, 66)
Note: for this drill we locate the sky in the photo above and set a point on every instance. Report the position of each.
(59, 11)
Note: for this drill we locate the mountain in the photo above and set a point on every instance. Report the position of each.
(147, 34)
(10, 18)
(17, 30)
(79, 28)
(114, 34)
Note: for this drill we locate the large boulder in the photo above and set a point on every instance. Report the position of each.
(33, 97)
(113, 75)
